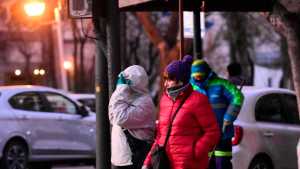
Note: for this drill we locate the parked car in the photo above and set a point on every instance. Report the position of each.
(42, 124)
(88, 100)
(267, 130)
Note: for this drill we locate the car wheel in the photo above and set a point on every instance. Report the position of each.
(261, 163)
(15, 156)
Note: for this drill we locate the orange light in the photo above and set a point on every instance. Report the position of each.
(67, 65)
(35, 7)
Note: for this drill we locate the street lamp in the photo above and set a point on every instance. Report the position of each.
(18, 72)
(42, 72)
(67, 65)
(35, 7)
(36, 72)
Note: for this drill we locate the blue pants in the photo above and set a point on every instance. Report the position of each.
(219, 161)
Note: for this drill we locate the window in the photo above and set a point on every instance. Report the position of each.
(27, 101)
(59, 103)
(290, 108)
(89, 103)
(269, 109)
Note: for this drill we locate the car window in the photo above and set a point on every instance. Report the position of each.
(290, 108)
(89, 103)
(59, 103)
(269, 109)
(27, 101)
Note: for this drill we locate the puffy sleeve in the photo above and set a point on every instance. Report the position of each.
(235, 97)
(130, 110)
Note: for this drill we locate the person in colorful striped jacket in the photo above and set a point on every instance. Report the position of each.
(226, 100)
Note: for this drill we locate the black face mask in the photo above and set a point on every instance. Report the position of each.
(170, 89)
(173, 92)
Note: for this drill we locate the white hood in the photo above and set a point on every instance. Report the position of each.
(137, 75)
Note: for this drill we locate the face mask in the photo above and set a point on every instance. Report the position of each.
(173, 92)
(174, 88)
(200, 77)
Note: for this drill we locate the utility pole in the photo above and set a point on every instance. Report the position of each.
(197, 41)
(199, 26)
(107, 30)
(113, 42)
(101, 89)
(181, 29)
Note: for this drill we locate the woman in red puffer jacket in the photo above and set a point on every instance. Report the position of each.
(194, 131)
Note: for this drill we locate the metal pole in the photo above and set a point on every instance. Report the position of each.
(181, 29)
(101, 88)
(113, 43)
(197, 41)
(107, 68)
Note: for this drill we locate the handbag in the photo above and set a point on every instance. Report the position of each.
(159, 157)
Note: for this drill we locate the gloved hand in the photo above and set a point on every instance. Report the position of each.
(123, 80)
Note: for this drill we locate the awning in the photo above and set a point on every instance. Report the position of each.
(189, 5)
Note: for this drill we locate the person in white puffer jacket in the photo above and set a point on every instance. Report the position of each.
(132, 115)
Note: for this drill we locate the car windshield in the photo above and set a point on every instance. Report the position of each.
(89, 103)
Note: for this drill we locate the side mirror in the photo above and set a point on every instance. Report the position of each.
(83, 111)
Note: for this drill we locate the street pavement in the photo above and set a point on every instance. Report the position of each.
(81, 167)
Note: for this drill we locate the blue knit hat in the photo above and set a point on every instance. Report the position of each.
(200, 68)
(180, 70)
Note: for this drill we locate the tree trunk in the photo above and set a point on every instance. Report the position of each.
(240, 43)
(167, 51)
(75, 55)
(294, 55)
(27, 69)
(288, 24)
(286, 81)
(82, 67)
(48, 56)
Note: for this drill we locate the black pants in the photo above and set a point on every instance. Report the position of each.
(122, 167)
(139, 149)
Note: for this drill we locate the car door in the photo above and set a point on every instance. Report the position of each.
(78, 131)
(273, 128)
(293, 129)
(37, 124)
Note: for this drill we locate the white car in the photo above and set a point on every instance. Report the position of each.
(88, 100)
(267, 130)
(42, 124)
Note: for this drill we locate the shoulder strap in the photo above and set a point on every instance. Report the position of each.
(170, 124)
